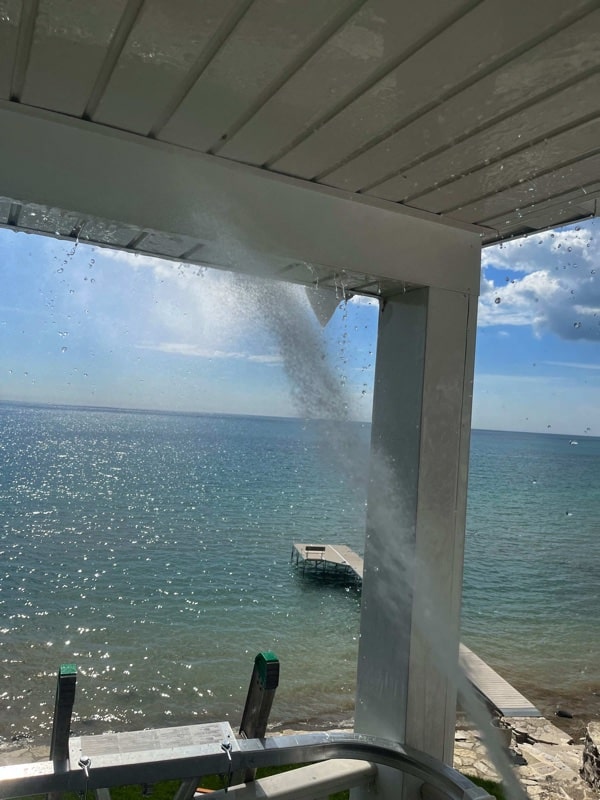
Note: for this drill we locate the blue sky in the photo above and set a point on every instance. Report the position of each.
(83, 325)
(538, 338)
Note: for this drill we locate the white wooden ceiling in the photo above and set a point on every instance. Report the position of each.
(481, 111)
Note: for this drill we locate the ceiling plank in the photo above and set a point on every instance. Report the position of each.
(268, 45)
(5, 204)
(565, 179)
(16, 30)
(541, 214)
(534, 75)
(367, 46)
(438, 70)
(544, 157)
(164, 45)
(67, 53)
(511, 136)
(9, 30)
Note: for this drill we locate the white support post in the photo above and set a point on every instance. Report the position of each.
(416, 522)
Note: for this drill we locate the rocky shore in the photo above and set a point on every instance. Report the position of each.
(591, 755)
(547, 762)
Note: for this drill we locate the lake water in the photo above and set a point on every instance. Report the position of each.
(153, 550)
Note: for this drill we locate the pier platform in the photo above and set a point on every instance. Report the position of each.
(497, 692)
(328, 557)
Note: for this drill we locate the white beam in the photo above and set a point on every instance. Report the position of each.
(305, 783)
(246, 216)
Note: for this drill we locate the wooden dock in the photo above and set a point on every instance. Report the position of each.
(328, 557)
(497, 692)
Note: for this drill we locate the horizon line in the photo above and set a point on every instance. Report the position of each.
(170, 412)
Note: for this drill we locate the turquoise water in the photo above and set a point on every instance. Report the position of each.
(153, 550)
(531, 596)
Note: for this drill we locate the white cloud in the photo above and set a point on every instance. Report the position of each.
(203, 311)
(191, 310)
(559, 291)
(572, 246)
(197, 351)
(271, 360)
(135, 260)
(572, 364)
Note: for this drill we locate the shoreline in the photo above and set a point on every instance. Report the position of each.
(577, 713)
(24, 748)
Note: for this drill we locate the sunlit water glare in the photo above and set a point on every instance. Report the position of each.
(153, 551)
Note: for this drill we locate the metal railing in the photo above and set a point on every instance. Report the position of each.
(155, 765)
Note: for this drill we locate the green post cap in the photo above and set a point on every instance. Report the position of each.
(266, 665)
(67, 669)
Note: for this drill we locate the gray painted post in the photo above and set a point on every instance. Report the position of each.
(63, 708)
(261, 693)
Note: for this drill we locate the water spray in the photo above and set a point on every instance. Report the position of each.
(317, 393)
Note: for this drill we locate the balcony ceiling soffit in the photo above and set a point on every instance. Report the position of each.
(480, 111)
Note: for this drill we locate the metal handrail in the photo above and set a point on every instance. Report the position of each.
(104, 771)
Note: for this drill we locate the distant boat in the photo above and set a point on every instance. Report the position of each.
(573, 442)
